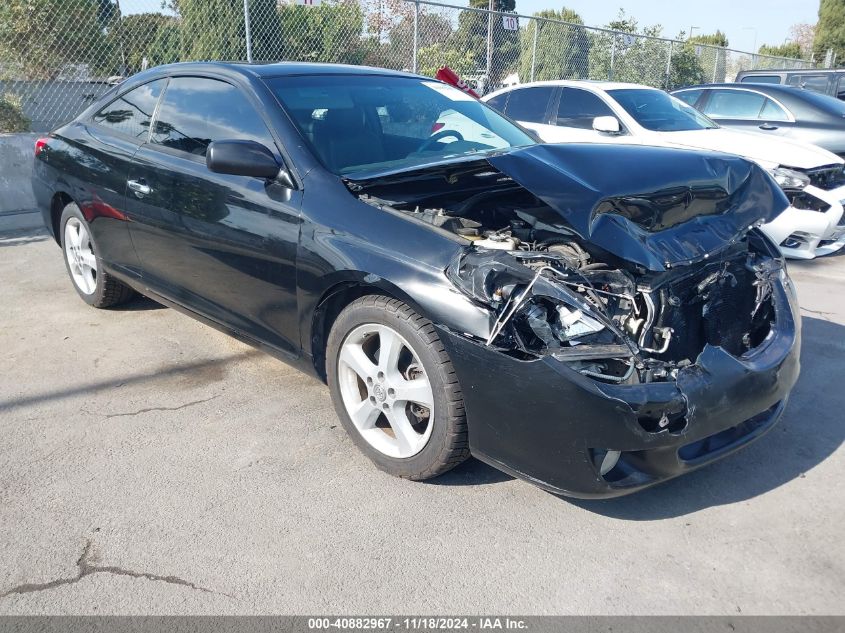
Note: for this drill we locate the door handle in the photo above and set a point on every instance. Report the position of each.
(767, 126)
(139, 187)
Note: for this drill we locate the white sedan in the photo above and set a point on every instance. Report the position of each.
(605, 112)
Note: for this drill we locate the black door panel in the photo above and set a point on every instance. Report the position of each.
(224, 246)
(221, 245)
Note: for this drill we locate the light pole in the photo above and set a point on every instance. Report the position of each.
(691, 29)
(754, 46)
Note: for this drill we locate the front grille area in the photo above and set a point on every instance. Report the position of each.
(827, 177)
(713, 306)
(727, 314)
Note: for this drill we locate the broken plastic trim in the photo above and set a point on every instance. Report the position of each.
(501, 282)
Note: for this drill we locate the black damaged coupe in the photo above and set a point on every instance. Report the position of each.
(592, 318)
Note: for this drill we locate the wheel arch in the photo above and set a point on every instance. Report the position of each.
(58, 203)
(337, 297)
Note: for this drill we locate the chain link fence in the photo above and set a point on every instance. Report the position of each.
(56, 56)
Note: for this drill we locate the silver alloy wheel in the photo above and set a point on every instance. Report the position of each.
(385, 390)
(80, 256)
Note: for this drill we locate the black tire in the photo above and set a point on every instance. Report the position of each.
(108, 291)
(448, 444)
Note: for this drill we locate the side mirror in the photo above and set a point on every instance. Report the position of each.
(241, 158)
(607, 124)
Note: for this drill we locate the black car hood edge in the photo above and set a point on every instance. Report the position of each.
(656, 207)
(652, 206)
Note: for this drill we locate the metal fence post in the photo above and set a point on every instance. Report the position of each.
(612, 56)
(715, 64)
(669, 67)
(534, 48)
(247, 32)
(489, 45)
(416, 34)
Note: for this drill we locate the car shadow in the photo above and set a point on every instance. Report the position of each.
(811, 430)
(472, 472)
(140, 303)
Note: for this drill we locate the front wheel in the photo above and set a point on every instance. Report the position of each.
(395, 390)
(96, 287)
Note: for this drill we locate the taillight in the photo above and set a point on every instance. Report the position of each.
(437, 127)
(40, 145)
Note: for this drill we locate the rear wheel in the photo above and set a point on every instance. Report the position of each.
(92, 283)
(394, 389)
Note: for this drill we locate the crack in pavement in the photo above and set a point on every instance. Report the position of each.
(86, 568)
(181, 406)
(823, 315)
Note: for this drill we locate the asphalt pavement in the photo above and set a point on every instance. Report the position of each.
(152, 465)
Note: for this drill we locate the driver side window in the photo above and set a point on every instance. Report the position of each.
(578, 108)
(196, 111)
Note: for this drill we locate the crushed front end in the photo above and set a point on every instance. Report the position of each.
(597, 382)
(641, 325)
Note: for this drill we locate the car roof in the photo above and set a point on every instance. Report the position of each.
(770, 71)
(774, 89)
(589, 84)
(281, 69)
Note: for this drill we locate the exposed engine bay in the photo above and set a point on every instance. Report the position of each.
(552, 292)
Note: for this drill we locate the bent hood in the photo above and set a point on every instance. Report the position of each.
(653, 206)
(769, 151)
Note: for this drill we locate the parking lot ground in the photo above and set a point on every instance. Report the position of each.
(150, 464)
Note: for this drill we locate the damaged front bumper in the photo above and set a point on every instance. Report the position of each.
(807, 233)
(544, 422)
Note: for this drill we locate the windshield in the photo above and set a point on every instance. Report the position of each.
(369, 123)
(657, 111)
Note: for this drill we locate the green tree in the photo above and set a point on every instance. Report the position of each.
(137, 36)
(787, 49)
(635, 54)
(685, 69)
(830, 31)
(432, 57)
(39, 39)
(331, 32)
(166, 48)
(712, 58)
(713, 39)
(625, 57)
(562, 49)
(215, 29)
(12, 118)
(471, 39)
(397, 52)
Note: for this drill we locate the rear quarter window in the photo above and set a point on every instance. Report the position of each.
(130, 114)
(734, 104)
(196, 111)
(688, 96)
(498, 102)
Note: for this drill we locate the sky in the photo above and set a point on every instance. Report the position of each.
(767, 20)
